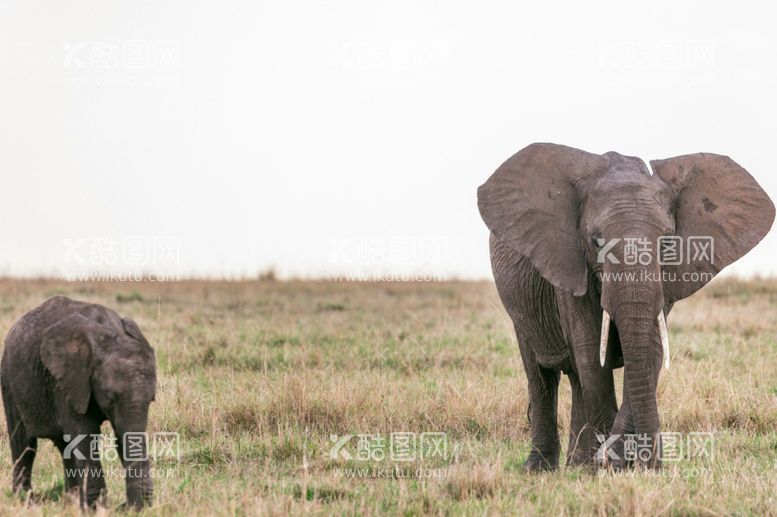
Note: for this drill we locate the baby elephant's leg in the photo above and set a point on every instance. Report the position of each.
(23, 455)
(71, 483)
(23, 447)
(83, 468)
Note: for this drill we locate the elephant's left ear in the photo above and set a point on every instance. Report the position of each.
(721, 213)
(132, 329)
(67, 351)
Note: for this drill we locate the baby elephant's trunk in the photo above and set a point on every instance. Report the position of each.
(135, 458)
(140, 487)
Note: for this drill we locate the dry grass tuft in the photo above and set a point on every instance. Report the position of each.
(479, 481)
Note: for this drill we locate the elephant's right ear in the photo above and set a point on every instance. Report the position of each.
(531, 203)
(66, 350)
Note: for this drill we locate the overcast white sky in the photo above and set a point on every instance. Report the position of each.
(325, 137)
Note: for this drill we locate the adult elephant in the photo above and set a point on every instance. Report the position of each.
(589, 252)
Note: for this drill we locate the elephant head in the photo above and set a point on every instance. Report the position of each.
(580, 218)
(116, 371)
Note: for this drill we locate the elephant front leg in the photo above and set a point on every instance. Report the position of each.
(627, 447)
(617, 453)
(594, 406)
(83, 468)
(95, 484)
(543, 407)
(69, 464)
(593, 412)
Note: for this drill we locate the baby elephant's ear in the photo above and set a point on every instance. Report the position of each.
(132, 329)
(67, 352)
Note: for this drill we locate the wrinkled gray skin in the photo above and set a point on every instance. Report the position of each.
(67, 367)
(546, 207)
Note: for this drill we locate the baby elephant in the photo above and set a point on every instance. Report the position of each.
(67, 367)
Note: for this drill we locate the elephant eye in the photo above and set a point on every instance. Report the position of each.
(595, 239)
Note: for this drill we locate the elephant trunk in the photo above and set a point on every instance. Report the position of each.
(663, 332)
(642, 363)
(636, 307)
(140, 487)
(134, 453)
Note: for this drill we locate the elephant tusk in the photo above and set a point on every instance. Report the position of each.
(605, 337)
(664, 337)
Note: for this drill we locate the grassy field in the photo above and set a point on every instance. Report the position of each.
(259, 377)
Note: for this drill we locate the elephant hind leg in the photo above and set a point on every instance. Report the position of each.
(23, 447)
(23, 455)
